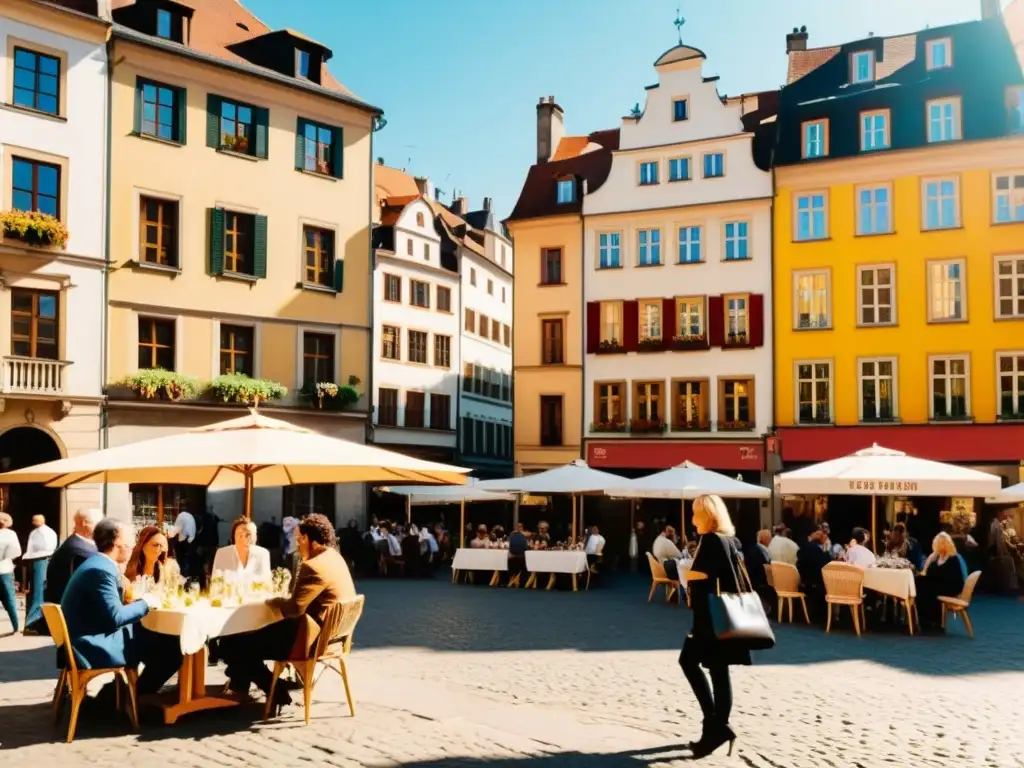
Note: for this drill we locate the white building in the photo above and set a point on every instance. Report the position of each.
(677, 282)
(53, 67)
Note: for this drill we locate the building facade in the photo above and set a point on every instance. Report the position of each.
(240, 215)
(677, 282)
(53, 70)
(899, 247)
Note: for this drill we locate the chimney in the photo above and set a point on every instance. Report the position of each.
(487, 203)
(460, 206)
(550, 128)
(424, 187)
(797, 39)
(990, 9)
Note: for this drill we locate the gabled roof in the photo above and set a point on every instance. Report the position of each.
(570, 146)
(803, 62)
(679, 53)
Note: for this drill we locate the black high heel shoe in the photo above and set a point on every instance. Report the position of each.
(705, 733)
(715, 739)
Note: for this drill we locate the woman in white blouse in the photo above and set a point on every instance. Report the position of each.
(242, 555)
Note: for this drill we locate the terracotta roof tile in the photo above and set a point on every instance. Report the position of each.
(391, 182)
(570, 146)
(805, 62)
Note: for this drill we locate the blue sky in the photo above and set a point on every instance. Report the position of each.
(459, 80)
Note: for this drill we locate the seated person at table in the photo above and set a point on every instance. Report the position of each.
(757, 558)
(518, 545)
(900, 544)
(858, 553)
(542, 539)
(322, 581)
(782, 548)
(809, 562)
(243, 555)
(666, 552)
(75, 550)
(103, 630)
(944, 574)
(482, 540)
(412, 551)
(149, 555)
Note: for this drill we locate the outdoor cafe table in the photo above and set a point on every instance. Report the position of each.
(897, 583)
(554, 562)
(469, 560)
(195, 625)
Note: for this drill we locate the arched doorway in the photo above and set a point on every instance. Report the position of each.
(23, 447)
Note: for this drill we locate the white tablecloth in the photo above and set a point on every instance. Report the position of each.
(548, 561)
(467, 559)
(895, 582)
(684, 569)
(198, 623)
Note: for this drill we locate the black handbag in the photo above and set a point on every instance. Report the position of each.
(738, 618)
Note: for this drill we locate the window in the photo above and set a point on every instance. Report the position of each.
(442, 351)
(690, 404)
(1010, 286)
(426, 251)
(689, 245)
(650, 319)
(874, 210)
(239, 231)
(506, 387)
(392, 288)
(647, 403)
(680, 110)
(862, 67)
(317, 358)
(158, 231)
(1011, 386)
(1009, 198)
(714, 165)
(950, 387)
(552, 334)
(735, 404)
(472, 276)
(495, 331)
(690, 312)
(34, 325)
(878, 390)
(648, 245)
(874, 131)
(814, 392)
(611, 322)
(302, 64)
(467, 377)
(503, 294)
(608, 251)
(387, 407)
(237, 349)
(318, 148)
(484, 326)
(811, 217)
(440, 411)
(490, 287)
(811, 301)
(237, 127)
(36, 81)
(946, 291)
(506, 333)
(409, 246)
(156, 343)
(737, 240)
(679, 169)
(444, 299)
(1015, 107)
(160, 111)
(943, 120)
(157, 504)
(35, 186)
(163, 23)
(877, 300)
(418, 347)
(298, 501)
(415, 405)
(550, 419)
(649, 173)
(470, 322)
(419, 219)
(939, 53)
(608, 405)
(815, 139)
(419, 294)
(941, 204)
(737, 321)
(566, 191)
(390, 342)
(551, 266)
(319, 247)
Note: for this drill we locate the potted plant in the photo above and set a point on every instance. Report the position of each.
(34, 228)
(242, 144)
(690, 341)
(608, 426)
(322, 166)
(330, 396)
(735, 426)
(153, 383)
(609, 347)
(737, 340)
(239, 388)
(648, 344)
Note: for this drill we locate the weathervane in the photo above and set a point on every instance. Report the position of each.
(679, 24)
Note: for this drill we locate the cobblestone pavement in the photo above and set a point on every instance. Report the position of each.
(457, 676)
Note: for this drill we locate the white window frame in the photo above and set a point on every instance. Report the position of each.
(874, 287)
(648, 247)
(644, 321)
(644, 176)
(812, 273)
(563, 185)
(611, 249)
(614, 311)
(689, 168)
(855, 57)
(869, 131)
(955, 132)
(809, 213)
(814, 380)
(737, 240)
(688, 303)
(687, 245)
(815, 139)
(1013, 196)
(871, 209)
(940, 180)
(932, 359)
(932, 45)
(737, 314)
(933, 298)
(1018, 381)
(1016, 274)
(877, 378)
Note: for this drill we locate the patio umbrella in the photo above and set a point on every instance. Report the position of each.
(448, 494)
(1012, 495)
(251, 451)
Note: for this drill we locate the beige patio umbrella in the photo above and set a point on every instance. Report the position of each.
(251, 451)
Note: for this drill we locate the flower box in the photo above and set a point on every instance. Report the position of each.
(609, 426)
(737, 340)
(239, 388)
(328, 396)
(690, 426)
(612, 347)
(686, 343)
(33, 228)
(650, 345)
(735, 426)
(647, 427)
(158, 384)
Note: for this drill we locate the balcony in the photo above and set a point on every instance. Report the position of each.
(33, 376)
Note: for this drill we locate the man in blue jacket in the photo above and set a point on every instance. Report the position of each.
(102, 628)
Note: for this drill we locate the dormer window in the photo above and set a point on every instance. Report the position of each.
(164, 23)
(862, 67)
(939, 53)
(566, 192)
(302, 64)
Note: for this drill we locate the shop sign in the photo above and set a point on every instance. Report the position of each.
(884, 486)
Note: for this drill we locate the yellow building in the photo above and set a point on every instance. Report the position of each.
(547, 228)
(899, 248)
(240, 205)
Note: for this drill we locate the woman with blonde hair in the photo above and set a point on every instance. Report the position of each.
(715, 569)
(943, 575)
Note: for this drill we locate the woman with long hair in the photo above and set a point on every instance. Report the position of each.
(149, 555)
(714, 570)
(944, 575)
(243, 555)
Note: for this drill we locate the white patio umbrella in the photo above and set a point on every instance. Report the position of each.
(251, 451)
(447, 494)
(1012, 495)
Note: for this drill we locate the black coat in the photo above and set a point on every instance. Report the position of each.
(65, 561)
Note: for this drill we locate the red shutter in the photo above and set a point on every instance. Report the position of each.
(593, 326)
(668, 322)
(756, 315)
(630, 325)
(716, 321)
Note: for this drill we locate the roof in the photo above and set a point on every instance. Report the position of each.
(570, 146)
(803, 62)
(679, 53)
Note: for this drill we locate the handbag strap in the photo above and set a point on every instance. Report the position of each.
(730, 555)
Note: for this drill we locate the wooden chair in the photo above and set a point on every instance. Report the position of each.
(660, 578)
(333, 644)
(844, 585)
(786, 580)
(959, 605)
(73, 680)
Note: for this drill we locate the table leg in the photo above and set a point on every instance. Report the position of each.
(575, 586)
(193, 695)
(910, 615)
(531, 582)
(551, 582)
(495, 579)
(455, 576)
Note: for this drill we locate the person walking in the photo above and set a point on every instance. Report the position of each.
(42, 543)
(10, 550)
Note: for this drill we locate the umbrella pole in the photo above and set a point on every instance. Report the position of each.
(248, 493)
(682, 520)
(874, 526)
(583, 506)
(408, 510)
(574, 517)
(462, 523)
(515, 512)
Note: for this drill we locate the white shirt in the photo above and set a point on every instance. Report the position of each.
(783, 550)
(184, 527)
(42, 542)
(860, 555)
(258, 565)
(665, 549)
(595, 544)
(10, 550)
(394, 546)
(428, 537)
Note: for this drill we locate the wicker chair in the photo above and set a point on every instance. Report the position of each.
(959, 605)
(844, 585)
(73, 680)
(785, 578)
(333, 644)
(659, 578)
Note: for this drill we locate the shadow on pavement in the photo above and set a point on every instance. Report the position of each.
(24, 664)
(634, 759)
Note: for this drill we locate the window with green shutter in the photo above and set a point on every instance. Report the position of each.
(160, 111)
(234, 126)
(319, 148)
(238, 243)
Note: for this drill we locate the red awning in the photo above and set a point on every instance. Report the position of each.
(662, 454)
